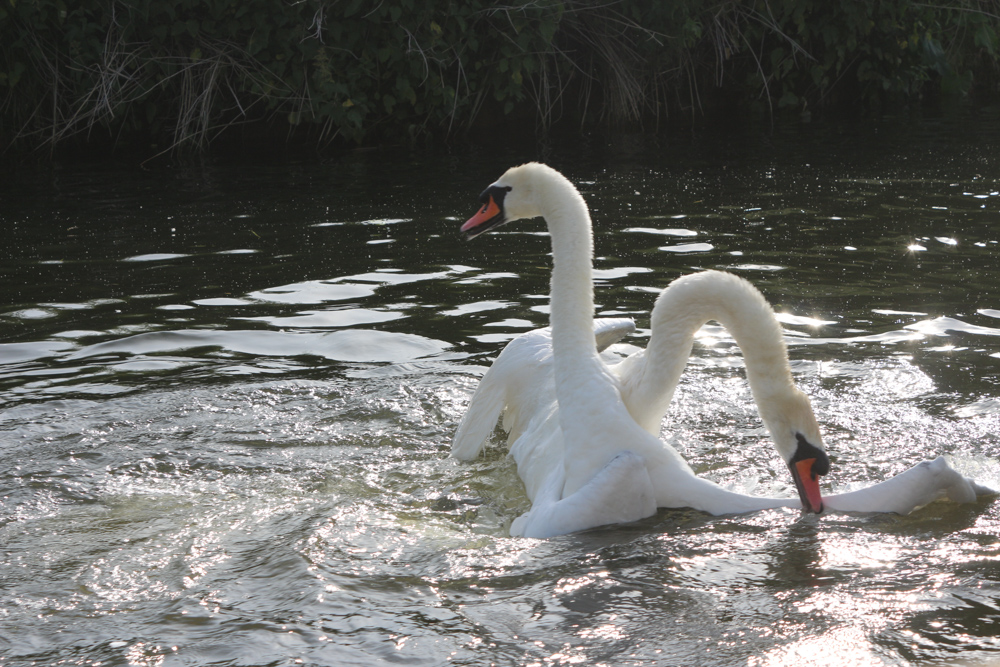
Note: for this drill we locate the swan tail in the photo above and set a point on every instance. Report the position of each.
(981, 491)
(954, 486)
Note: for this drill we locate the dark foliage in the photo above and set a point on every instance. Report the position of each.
(183, 72)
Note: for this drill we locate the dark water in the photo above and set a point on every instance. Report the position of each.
(227, 394)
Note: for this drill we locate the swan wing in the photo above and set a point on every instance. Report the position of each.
(524, 366)
(479, 419)
(520, 384)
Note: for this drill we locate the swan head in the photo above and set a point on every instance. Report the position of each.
(807, 464)
(797, 438)
(520, 193)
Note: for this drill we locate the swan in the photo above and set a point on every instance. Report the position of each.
(584, 435)
(650, 376)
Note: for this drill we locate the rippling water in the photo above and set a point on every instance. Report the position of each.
(227, 394)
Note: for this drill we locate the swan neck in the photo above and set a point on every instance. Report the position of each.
(572, 292)
(689, 304)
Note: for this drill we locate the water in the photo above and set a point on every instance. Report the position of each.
(227, 394)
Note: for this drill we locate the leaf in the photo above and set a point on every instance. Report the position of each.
(548, 30)
(353, 7)
(986, 38)
(15, 74)
(789, 99)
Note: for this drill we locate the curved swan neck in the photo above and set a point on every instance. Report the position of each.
(572, 292)
(683, 308)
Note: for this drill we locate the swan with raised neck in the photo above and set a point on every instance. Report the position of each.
(587, 392)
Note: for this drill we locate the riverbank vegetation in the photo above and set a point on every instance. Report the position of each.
(180, 74)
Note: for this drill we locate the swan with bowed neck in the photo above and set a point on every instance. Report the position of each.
(572, 420)
(650, 376)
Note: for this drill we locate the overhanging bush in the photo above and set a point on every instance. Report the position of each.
(183, 71)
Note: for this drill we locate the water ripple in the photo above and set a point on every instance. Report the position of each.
(349, 345)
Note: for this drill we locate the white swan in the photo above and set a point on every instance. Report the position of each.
(650, 376)
(579, 452)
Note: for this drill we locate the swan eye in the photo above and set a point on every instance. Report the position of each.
(496, 192)
(807, 450)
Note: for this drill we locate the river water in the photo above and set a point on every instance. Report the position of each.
(228, 390)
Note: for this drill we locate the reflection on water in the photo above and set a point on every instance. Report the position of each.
(227, 395)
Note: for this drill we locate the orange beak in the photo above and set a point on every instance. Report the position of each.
(808, 484)
(489, 211)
